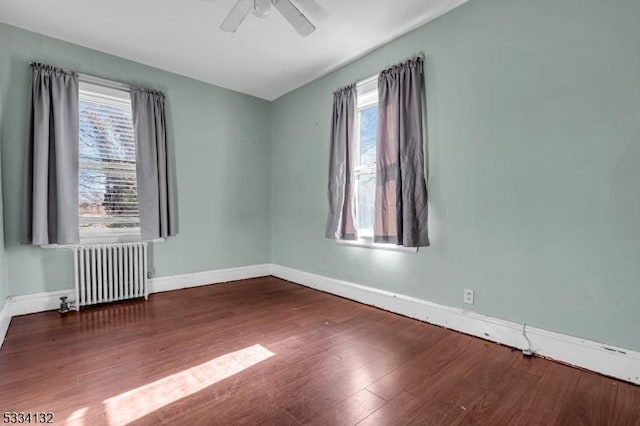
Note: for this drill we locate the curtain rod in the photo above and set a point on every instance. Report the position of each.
(375, 76)
(88, 78)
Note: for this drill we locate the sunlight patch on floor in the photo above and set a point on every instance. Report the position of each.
(77, 417)
(139, 402)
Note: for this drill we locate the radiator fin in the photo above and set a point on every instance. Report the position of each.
(110, 272)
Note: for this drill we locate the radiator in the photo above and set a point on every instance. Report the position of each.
(109, 272)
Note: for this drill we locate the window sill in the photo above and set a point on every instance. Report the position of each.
(121, 239)
(371, 245)
(103, 241)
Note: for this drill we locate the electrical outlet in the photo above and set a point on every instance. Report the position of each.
(468, 296)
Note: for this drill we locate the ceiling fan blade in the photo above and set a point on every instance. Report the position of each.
(294, 16)
(236, 16)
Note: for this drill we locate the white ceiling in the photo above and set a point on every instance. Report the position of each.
(265, 57)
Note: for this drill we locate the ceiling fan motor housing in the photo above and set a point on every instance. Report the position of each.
(261, 8)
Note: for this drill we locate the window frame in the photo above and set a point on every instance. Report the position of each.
(366, 96)
(112, 235)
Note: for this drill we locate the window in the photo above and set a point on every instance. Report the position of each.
(365, 169)
(107, 193)
(387, 210)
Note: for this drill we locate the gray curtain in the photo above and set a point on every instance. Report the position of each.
(156, 195)
(341, 217)
(401, 192)
(50, 192)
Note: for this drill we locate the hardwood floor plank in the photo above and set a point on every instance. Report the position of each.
(627, 407)
(447, 403)
(401, 410)
(346, 383)
(488, 370)
(541, 404)
(592, 402)
(531, 364)
(351, 411)
(503, 398)
(428, 368)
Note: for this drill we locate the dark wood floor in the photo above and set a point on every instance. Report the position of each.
(266, 351)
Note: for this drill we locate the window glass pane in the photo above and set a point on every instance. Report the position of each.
(108, 197)
(107, 193)
(368, 134)
(366, 200)
(365, 172)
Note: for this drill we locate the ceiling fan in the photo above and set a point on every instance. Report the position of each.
(262, 8)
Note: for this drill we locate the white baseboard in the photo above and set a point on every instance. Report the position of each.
(38, 302)
(177, 282)
(609, 360)
(606, 359)
(5, 319)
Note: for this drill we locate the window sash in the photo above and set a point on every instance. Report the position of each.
(363, 170)
(116, 166)
(108, 104)
(88, 219)
(367, 96)
(367, 92)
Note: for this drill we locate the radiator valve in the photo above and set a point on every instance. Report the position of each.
(64, 305)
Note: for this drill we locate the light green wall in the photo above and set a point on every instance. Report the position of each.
(534, 167)
(221, 142)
